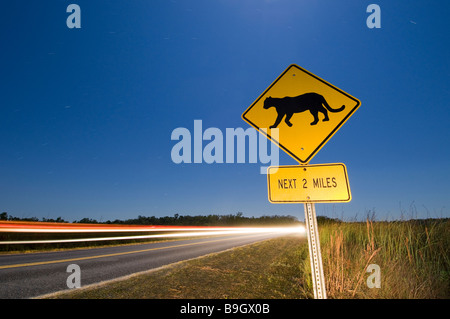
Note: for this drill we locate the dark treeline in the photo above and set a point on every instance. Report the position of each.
(175, 220)
(208, 220)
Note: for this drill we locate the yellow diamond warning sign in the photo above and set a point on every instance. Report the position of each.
(305, 109)
(323, 183)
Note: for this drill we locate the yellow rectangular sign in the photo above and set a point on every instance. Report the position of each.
(321, 183)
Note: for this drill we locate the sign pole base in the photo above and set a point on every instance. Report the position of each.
(314, 252)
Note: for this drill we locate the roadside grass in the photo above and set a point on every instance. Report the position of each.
(413, 256)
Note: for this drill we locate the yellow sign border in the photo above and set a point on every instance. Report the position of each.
(346, 200)
(327, 138)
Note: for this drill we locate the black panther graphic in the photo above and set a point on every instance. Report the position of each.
(312, 102)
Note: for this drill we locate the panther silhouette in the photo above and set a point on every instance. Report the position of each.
(312, 102)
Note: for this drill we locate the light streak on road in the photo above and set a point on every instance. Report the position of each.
(167, 231)
(37, 227)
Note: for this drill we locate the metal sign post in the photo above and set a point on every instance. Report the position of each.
(314, 252)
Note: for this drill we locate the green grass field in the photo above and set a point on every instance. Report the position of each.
(413, 258)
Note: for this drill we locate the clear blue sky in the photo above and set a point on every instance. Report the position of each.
(86, 115)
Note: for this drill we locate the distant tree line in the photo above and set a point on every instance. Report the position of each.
(178, 220)
(5, 216)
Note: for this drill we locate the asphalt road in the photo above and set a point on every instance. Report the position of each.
(34, 274)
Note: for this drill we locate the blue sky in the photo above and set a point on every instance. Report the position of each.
(86, 114)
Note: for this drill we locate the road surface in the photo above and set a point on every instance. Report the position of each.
(35, 274)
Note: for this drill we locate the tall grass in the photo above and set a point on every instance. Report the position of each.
(413, 256)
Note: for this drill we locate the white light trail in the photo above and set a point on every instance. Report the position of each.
(100, 229)
(193, 232)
